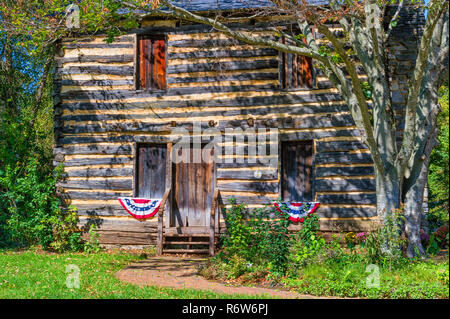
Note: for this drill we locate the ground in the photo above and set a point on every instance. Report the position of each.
(182, 273)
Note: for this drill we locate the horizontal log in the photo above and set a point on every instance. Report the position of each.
(112, 70)
(95, 195)
(219, 77)
(272, 164)
(261, 199)
(126, 238)
(185, 43)
(95, 82)
(250, 174)
(119, 39)
(339, 146)
(100, 172)
(223, 54)
(223, 66)
(267, 187)
(342, 158)
(347, 212)
(122, 224)
(107, 183)
(354, 225)
(94, 149)
(225, 121)
(344, 171)
(342, 185)
(312, 135)
(127, 94)
(99, 210)
(84, 45)
(346, 198)
(120, 58)
(97, 161)
(239, 102)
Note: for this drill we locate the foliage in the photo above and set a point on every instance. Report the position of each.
(348, 278)
(438, 178)
(307, 244)
(238, 239)
(254, 241)
(384, 245)
(441, 235)
(271, 238)
(27, 203)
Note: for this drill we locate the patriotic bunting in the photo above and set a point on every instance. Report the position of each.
(297, 211)
(140, 208)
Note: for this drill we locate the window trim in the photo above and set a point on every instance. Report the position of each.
(136, 75)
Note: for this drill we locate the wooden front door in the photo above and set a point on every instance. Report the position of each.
(193, 191)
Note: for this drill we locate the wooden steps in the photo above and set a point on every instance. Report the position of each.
(186, 243)
(186, 251)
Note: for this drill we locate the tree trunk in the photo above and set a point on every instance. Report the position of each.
(413, 195)
(388, 193)
(413, 214)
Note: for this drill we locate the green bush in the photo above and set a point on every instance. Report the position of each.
(307, 244)
(255, 240)
(438, 178)
(27, 204)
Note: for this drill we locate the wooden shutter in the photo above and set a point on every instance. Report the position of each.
(296, 71)
(297, 171)
(151, 170)
(152, 63)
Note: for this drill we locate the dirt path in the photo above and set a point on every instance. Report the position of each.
(181, 272)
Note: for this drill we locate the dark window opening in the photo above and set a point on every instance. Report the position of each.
(151, 66)
(150, 174)
(296, 71)
(297, 171)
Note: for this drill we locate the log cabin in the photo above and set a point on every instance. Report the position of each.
(123, 109)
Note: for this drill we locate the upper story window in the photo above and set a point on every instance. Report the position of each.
(296, 71)
(151, 66)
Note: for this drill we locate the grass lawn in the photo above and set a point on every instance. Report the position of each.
(37, 275)
(417, 279)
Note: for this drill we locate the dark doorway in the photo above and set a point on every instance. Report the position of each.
(151, 170)
(297, 171)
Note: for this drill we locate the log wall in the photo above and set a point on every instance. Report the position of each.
(99, 116)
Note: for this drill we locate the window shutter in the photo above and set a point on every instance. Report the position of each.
(152, 63)
(159, 70)
(296, 71)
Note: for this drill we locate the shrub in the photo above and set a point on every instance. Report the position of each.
(384, 245)
(271, 238)
(307, 244)
(28, 202)
(255, 239)
(66, 234)
(441, 236)
(238, 238)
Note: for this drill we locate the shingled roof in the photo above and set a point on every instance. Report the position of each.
(212, 5)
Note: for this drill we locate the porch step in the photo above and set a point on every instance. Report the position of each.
(170, 242)
(189, 251)
(186, 235)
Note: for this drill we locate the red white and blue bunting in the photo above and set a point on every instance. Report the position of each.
(140, 208)
(297, 211)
